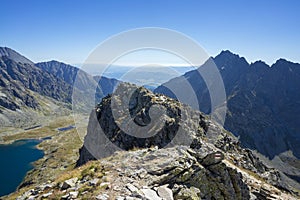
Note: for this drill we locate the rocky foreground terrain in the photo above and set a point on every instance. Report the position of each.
(170, 173)
(207, 164)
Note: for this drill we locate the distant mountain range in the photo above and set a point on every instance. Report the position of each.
(79, 78)
(25, 85)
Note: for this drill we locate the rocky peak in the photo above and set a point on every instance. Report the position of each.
(263, 105)
(134, 117)
(282, 61)
(186, 147)
(285, 67)
(226, 57)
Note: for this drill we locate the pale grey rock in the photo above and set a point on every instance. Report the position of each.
(66, 196)
(150, 194)
(132, 198)
(69, 183)
(31, 197)
(73, 194)
(102, 197)
(94, 181)
(131, 187)
(105, 185)
(47, 195)
(141, 173)
(45, 186)
(165, 192)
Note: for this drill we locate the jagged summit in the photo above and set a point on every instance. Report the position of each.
(227, 55)
(281, 61)
(259, 62)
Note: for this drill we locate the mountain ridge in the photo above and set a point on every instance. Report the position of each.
(262, 101)
(13, 55)
(29, 90)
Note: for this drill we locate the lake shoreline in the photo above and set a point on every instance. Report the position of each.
(20, 158)
(61, 151)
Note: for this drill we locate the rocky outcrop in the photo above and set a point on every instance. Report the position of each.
(169, 173)
(210, 164)
(134, 117)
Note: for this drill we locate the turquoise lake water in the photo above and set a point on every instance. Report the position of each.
(16, 159)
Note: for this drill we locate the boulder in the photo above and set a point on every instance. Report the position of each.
(69, 183)
(165, 192)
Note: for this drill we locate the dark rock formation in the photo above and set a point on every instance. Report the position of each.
(134, 117)
(263, 103)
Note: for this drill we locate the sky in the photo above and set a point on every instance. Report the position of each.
(69, 30)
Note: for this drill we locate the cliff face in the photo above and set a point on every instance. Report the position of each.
(185, 151)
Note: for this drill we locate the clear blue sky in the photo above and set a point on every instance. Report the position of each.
(67, 30)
